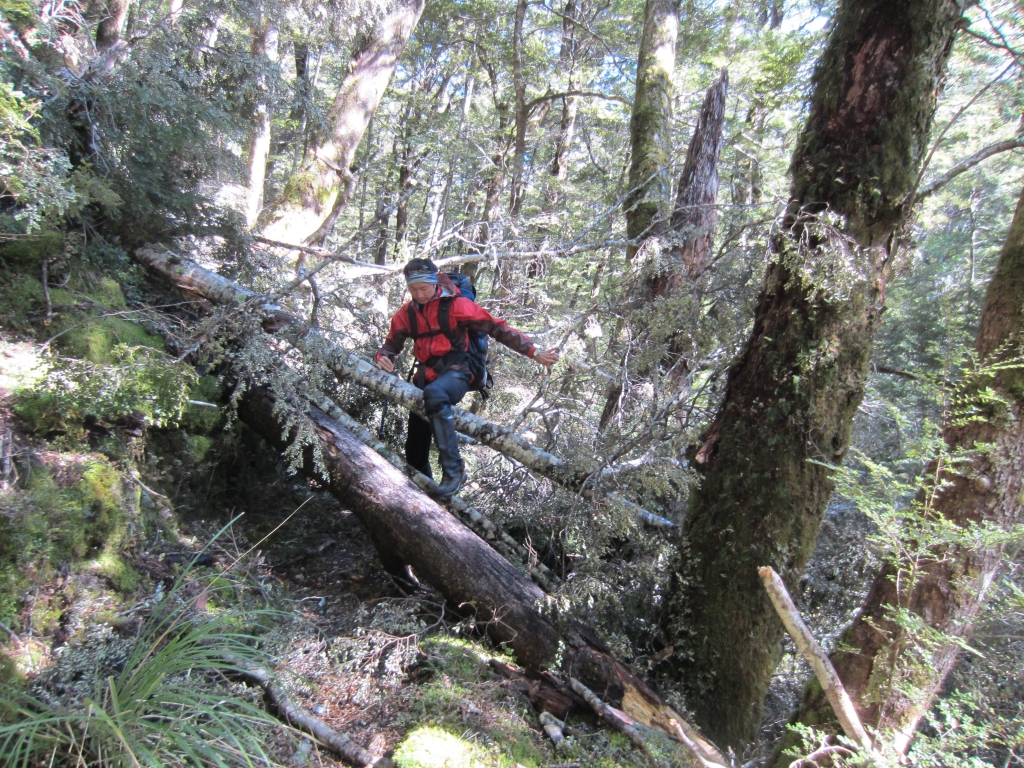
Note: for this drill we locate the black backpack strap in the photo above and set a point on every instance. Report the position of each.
(414, 330)
(444, 321)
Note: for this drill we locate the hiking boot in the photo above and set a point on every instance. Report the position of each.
(453, 470)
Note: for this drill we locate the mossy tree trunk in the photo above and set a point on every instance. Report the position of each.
(325, 184)
(952, 582)
(791, 395)
(650, 127)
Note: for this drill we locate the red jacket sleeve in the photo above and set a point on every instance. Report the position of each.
(473, 316)
(397, 335)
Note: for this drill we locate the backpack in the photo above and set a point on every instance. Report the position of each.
(477, 340)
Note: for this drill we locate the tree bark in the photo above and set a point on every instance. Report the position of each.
(791, 396)
(696, 213)
(570, 104)
(650, 127)
(326, 183)
(985, 487)
(522, 119)
(110, 19)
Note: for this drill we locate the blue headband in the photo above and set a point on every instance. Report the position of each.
(421, 278)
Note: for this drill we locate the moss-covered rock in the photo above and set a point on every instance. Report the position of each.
(91, 334)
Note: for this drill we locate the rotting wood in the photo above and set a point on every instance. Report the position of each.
(552, 729)
(340, 743)
(544, 690)
(816, 657)
(309, 341)
(617, 719)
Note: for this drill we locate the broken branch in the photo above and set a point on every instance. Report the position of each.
(816, 657)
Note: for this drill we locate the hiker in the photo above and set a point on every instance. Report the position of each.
(444, 364)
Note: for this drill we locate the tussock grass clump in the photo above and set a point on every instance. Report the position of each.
(163, 698)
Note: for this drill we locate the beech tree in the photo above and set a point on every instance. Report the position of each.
(326, 184)
(895, 657)
(791, 395)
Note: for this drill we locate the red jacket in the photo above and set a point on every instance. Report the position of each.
(464, 315)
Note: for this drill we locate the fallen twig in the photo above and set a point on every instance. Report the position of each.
(553, 728)
(618, 720)
(695, 748)
(5, 462)
(340, 743)
(11, 632)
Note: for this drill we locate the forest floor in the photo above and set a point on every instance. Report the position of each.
(386, 662)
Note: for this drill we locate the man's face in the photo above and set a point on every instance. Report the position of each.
(422, 292)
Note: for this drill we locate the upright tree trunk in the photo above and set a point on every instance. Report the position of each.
(949, 587)
(327, 183)
(791, 396)
(264, 45)
(110, 19)
(650, 127)
(570, 104)
(696, 214)
(522, 119)
(691, 230)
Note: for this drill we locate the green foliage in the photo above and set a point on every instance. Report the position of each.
(138, 379)
(163, 702)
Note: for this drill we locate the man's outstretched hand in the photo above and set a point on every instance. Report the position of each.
(547, 359)
(385, 364)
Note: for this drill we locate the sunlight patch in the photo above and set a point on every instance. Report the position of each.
(435, 748)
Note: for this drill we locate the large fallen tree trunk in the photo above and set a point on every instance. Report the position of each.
(190, 276)
(406, 525)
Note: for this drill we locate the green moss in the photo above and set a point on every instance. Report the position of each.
(198, 446)
(94, 338)
(432, 747)
(99, 496)
(109, 295)
(201, 419)
(30, 250)
(20, 295)
(122, 576)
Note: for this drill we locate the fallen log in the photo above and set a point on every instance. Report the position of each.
(480, 524)
(409, 527)
(191, 277)
(340, 743)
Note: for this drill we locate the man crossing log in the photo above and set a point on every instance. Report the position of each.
(439, 319)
